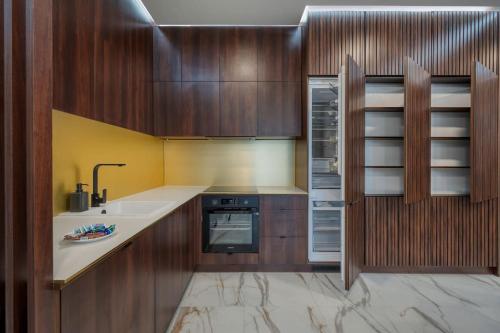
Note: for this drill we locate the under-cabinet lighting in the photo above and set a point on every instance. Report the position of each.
(145, 10)
(308, 9)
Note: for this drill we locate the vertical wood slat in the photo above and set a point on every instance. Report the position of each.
(458, 38)
(439, 231)
(417, 133)
(354, 161)
(484, 134)
(331, 36)
(392, 36)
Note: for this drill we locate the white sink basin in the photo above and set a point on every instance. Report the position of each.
(127, 209)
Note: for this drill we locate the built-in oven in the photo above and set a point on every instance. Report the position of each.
(230, 223)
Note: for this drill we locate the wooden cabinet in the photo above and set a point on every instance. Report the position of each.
(238, 54)
(115, 296)
(102, 62)
(279, 50)
(257, 72)
(200, 54)
(238, 114)
(279, 109)
(174, 262)
(283, 230)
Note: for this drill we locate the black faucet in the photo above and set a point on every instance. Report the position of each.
(96, 200)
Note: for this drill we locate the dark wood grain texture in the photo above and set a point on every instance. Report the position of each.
(331, 36)
(283, 202)
(393, 36)
(279, 54)
(417, 132)
(459, 38)
(238, 109)
(29, 304)
(354, 173)
(167, 103)
(120, 289)
(238, 53)
(200, 111)
(279, 109)
(484, 134)
(200, 54)
(436, 232)
(283, 223)
(283, 250)
(167, 53)
(103, 54)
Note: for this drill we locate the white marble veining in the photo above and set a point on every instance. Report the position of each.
(317, 302)
(71, 258)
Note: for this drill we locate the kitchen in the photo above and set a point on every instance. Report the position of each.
(253, 176)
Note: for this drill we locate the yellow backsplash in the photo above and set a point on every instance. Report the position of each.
(79, 143)
(230, 162)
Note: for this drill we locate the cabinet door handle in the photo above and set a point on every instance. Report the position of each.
(126, 245)
(282, 237)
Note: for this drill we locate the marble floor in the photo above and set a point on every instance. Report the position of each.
(316, 302)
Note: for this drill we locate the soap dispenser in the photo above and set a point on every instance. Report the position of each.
(79, 200)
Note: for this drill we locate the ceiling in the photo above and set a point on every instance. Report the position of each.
(267, 12)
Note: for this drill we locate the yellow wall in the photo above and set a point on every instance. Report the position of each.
(230, 162)
(79, 143)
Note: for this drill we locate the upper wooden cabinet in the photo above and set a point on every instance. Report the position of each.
(224, 73)
(238, 54)
(279, 51)
(279, 109)
(167, 54)
(200, 54)
(417, 122)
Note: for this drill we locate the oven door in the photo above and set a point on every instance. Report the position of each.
(231, 230)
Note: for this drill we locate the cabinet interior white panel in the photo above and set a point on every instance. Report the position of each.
(450, 95)
(450, 124)
(384, 181)
(384, 95)
(384, 152)
(449, 181)
(384, 124)
(450, 153)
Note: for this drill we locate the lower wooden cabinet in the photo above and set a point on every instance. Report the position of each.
(117, 295)
(283, 250)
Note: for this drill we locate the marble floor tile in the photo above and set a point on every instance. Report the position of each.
(317, 302)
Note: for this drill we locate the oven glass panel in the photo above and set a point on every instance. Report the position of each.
(226, 228)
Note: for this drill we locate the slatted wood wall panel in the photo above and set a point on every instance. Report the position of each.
(484, 134)
(417, 143)
(441, 231)
(331, 36)
(459, 38)
(392, 36)
(354, 173)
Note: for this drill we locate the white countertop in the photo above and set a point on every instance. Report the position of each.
(70, 259)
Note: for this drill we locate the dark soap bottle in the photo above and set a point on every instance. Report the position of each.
(79, 200)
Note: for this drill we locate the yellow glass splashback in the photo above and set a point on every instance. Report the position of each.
(79, 143)
(230, 162)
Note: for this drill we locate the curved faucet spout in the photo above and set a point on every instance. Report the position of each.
(96, 199)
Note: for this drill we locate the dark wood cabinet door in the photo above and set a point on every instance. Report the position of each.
(200, 54)
(417, 142)
(354, 173)
(167, 53)
(199, 114)
(238, 109)
(283, 202)
(279, 109)
(238, 54)
(283, 251)
(116, 296)
(484, 134)
(279, 54)
(167, 102)
(283, 223)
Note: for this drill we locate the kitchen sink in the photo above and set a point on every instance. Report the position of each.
(127, 209)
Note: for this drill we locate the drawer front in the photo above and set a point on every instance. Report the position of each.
(283, 202)
(283, 250)
(289, 223)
